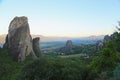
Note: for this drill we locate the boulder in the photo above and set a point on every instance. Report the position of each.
(19, 40)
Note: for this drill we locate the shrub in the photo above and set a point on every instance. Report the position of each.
(55, 69)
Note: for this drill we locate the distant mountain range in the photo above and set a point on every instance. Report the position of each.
(52, 39)
(2, 38)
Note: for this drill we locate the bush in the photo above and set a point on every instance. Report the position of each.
(8, 68)
(55, 69)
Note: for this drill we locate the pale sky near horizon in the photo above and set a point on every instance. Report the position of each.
(68, 18)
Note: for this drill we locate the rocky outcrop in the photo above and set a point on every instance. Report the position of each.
(19, 40)
(68, 49)
(36, 46)
(107, 38)
(114, 35)
(111, 37)
(99, 45)
(69, 44)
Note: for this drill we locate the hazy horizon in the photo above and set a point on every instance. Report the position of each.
(63, 18)
(38, 35)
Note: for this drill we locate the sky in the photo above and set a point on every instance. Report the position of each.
(63, 18)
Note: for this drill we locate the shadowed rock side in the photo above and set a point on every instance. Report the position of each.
(69, 44)
(101, 44)
(68, 49)
(36, 46)
(6, 43)
(111, 37)
(19, 40)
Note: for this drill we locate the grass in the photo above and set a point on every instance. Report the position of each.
(9, 68)
(73, 55)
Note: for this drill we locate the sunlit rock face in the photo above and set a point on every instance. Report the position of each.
(19, 40)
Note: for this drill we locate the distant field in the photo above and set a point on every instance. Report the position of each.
(52, 44)
(63, 43)
(73, 55)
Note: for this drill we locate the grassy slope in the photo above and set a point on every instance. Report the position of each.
(8, 68)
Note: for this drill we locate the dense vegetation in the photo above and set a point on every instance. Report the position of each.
(88, 49)
(106, 62)
(8, 68)
(45, 68)
(103, 65)
(52, 68)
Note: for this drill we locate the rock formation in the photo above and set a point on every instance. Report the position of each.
(99, 45)
(68, 49)
(114, 35)
(36, 46)
(69, 44)
(107, 38)
(19, 40)
(111, 37)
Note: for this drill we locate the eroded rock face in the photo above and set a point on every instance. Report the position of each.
(19, 40)
(36, 46)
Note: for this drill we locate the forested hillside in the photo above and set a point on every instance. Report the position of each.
(103, 65)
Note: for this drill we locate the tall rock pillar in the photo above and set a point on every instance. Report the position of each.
(19, 40)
